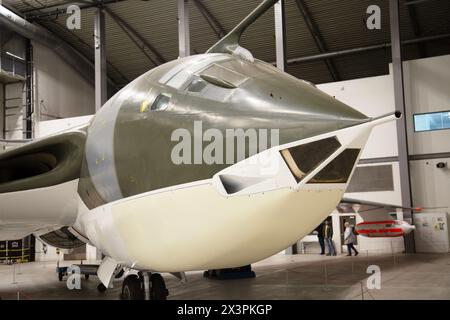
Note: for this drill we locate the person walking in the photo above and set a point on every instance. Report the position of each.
(350, 239)
(328, 236)
(319, 231)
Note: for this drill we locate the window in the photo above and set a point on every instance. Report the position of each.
(304, 158)
(338, 170)
(222, 77)
(196, 85)
(432, 121)
(161, 102)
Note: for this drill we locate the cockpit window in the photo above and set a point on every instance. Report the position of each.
(302, 159)
(161, 102)
(208, 88)
(196, 85)
(222, 77)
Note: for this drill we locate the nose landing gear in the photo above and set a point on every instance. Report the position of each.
(158, 290)
(134, 287)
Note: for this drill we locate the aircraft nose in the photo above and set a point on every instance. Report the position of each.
(296, 97)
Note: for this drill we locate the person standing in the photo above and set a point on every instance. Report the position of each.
(328, 236)
(350, 239)
(319, 231)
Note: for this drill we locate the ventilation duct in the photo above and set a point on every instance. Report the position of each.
(233, 184)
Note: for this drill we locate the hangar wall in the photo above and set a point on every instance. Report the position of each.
(374, 97)
(427, 89)
(13, 50)
(14, 102)
(60, 91)
(46, 128)
(60, 94)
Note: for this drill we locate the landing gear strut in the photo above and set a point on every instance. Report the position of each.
(133, 287)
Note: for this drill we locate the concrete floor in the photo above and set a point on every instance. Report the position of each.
(419, 276)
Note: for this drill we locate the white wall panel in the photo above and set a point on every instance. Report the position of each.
(374, 97)
(427, 89)
(49, 127)
(60, 91)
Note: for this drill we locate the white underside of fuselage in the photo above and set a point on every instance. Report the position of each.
(197, 226)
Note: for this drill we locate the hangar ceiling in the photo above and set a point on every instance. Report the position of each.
(340, 24)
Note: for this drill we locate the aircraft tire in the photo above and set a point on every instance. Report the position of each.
(158, 290)
(133, 288)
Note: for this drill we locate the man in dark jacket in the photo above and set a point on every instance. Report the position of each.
(319, 231)
(328, 235)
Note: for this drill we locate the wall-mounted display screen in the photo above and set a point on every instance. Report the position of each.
(432, 121)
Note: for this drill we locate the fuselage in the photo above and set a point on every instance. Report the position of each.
(147, 211)
(143, 210)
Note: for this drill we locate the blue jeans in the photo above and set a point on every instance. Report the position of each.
(350, 246)
(322, 245)
(330, 246)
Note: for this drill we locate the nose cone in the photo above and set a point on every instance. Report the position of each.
(282, 93)
(294, 105)
(312, 100)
